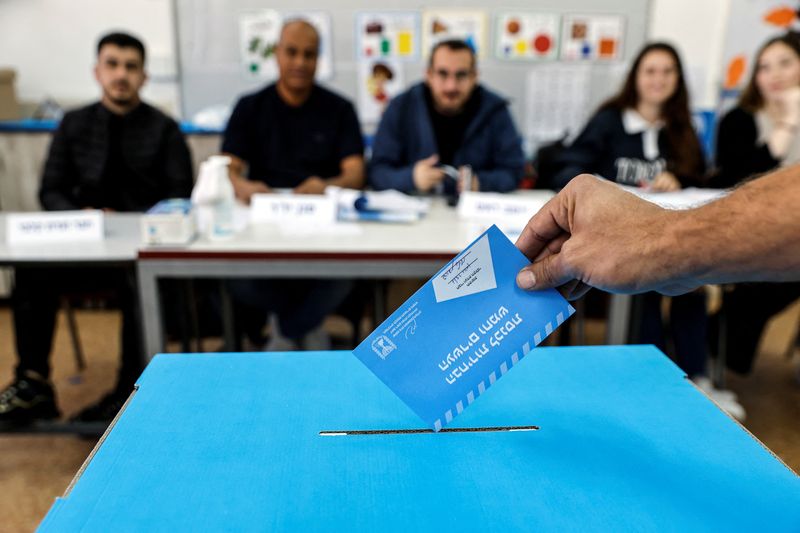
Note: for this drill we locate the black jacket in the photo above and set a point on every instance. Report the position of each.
(606, 149)
(739, 155)
(155, 155)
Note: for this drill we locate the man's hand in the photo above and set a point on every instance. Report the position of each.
(244, 188)
(665, 182)
(594, 234)
(426, 175)
(311, 185)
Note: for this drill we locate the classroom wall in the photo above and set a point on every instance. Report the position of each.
(696, 27)
(32, 40)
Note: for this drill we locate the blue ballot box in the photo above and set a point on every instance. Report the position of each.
(232, 442)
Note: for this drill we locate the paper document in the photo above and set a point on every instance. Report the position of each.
(688, 198)
(462, 331)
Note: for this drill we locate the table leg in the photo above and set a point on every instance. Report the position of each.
(150, 305)
(619, 314)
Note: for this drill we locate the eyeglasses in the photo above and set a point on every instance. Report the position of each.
(460, 75)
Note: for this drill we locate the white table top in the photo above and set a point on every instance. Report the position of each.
(439, 234)
(122, 238)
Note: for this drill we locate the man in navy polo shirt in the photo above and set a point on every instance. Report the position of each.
(294, 135)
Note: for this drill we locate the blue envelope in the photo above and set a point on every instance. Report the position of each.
(462, 331)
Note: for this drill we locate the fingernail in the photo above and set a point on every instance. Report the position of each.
(526, 279)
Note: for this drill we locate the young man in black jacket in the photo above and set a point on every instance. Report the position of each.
(119, 154)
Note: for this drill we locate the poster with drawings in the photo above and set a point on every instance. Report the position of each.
(259, 32)
(527, 36)
(387, 35)
(442, 24)
(379, 80)
(592, 37)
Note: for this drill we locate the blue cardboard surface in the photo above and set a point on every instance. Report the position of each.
(462, 331)
(230, 442)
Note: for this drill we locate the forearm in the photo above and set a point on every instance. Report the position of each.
(384, 176)
(753, 233)
(352, 176)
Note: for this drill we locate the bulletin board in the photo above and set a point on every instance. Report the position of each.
(211, 71)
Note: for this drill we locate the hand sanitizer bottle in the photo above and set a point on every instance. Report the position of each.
(222, 219)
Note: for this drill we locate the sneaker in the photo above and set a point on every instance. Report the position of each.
(277, 341)
(725, 399)
(103, 411)
(317, 340)
(706, 385)
(733, 408)
(27, 400)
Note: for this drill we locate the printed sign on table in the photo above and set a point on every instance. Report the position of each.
(462, 331)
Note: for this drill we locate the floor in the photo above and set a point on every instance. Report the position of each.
(35, 469)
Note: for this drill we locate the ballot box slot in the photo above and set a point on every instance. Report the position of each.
(362, 432)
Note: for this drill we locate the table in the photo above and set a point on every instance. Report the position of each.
(368, 250)
(231, 442)
(119, 248)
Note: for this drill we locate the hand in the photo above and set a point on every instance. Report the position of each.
(789, 101)
(426, 175)
(244, 188)
(475, 185)
(594, 234)
(665, 182)
(311, 185)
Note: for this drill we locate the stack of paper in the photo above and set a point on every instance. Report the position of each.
(381, 206)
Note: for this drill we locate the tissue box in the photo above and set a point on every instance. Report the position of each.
(169, 222)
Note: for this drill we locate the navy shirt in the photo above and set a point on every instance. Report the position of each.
(284, 145)
(606, 149)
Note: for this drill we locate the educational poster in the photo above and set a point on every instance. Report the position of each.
(442, 24)
(379, 80)
(527, 36)
(750, 24)
(259, 32)
(592, 37)
(387, 35)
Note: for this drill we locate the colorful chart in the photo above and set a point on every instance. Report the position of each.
(442, 24)
(527, 36)
(592, 37)
(387, 35)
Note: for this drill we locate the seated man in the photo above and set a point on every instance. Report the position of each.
(449, 120)
(119, 154)
(293, 134)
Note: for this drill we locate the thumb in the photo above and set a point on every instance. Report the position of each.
(544, 274)
(432, 160)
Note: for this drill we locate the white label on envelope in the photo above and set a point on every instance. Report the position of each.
(54, 226)
(292, 209)
(469, 273)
